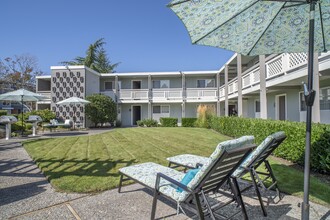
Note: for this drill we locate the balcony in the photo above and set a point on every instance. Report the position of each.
(201, 94)
(278, 70)
(46, 94)
(167, 95)
(134, 95)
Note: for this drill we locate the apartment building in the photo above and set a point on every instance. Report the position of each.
(254, 87)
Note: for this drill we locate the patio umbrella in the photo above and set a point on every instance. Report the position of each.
(256, 27)
(22, 95)
(73, 101)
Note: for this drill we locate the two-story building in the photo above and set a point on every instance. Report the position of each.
(255, 87)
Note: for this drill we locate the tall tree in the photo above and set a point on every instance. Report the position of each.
(96, 58)
(20, 71)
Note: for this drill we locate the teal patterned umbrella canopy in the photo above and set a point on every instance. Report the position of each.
(255, 27)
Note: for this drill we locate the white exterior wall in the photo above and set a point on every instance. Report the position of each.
(92, 83)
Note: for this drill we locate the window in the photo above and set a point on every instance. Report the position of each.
(160, 84)
(161, 109)
(257, 106)
(205, 83)
(108, 86)
(156, 109)
(325, 99)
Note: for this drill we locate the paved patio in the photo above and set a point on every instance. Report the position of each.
(26, 194)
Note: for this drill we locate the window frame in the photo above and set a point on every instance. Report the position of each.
(112, 84)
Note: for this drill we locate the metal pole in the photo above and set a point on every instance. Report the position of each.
(22, 132)
(305, 205)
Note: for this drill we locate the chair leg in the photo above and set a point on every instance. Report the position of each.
(274, 180)
(258, 192)
(120, 183)
(198, 206)
(238, 196)
(154, 205)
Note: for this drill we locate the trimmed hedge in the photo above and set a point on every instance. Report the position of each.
(3, 112)
(293, 148)
(188, 122)
(169, 122)
(147, 123)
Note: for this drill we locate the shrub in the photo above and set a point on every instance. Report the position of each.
(147, 123)
(204, 116)
(188, 122)
(102, 109)
(3, 112)
(293, 148)
(169, 122)
(45, 114)
(320, 153)
(150, 122)
(18, 126)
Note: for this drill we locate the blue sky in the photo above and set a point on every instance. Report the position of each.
(144, 35)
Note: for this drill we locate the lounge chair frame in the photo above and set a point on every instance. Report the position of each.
(219, 174)
(256, 178)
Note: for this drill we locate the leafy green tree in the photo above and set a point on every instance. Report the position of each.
(96, 58)
(102, 109)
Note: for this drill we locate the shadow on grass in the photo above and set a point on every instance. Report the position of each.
(57, 168)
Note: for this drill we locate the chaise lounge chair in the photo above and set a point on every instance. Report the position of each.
(249, 165)
(217, 171)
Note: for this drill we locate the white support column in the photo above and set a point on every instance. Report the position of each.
(316, 116)
(183, 110)
(218, 95)
(149, 96)
(183, 85)
(263, 92)
(117, 96)
(239, 86)
(226, 91)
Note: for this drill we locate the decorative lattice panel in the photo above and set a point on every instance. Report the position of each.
(255, 76)
(275, 67)
(296, 59)
(66, 84)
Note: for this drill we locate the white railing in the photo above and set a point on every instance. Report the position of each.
(45, 93)
(232, 86)
(275, 67)
(222, 91)
(198, 93)
(133, 94)
(167, 94)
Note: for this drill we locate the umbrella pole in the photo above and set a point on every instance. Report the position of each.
(22, 131)
(309, 98)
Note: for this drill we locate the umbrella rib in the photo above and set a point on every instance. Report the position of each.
(321, 19)
(178, 3)
(226, 22)
(266, 29)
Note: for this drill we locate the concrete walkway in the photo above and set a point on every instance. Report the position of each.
(26, 194)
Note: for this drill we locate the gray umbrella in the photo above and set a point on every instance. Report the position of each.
(22, 95)
(73, 101)
(255, 27)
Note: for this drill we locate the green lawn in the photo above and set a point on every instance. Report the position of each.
(91, 163)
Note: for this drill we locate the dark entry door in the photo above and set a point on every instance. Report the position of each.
(136, 114)
(136, 84)
(281, 108)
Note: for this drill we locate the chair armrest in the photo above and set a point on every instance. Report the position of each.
(169, 179)
(199, 165)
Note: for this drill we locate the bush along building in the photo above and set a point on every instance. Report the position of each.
(251, 87)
